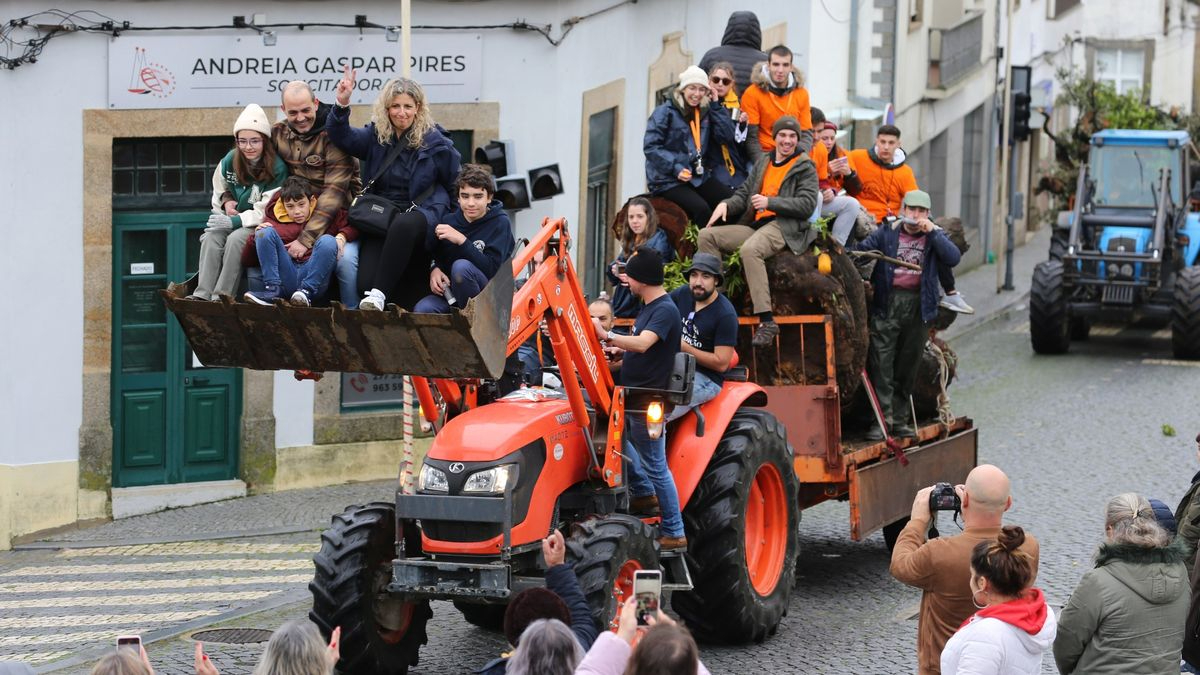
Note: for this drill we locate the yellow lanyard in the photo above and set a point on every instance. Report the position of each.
(695, 125)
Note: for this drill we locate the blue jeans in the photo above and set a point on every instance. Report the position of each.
(278, 268)
(648, 472)
(703, 391)
(465, 283)
(347, 275)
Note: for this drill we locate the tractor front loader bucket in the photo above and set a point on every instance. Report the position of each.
(463, 344)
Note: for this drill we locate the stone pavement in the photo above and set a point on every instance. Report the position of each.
(978, 286)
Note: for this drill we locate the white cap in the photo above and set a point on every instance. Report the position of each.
(254, 119)
(692, 75)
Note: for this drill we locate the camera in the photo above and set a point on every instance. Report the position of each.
(944, 498)
(697, 163)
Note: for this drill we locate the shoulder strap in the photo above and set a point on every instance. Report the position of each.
(387, 161)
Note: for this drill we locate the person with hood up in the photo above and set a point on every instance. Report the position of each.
(741, 46)
(778, 91)
(678, 137)
(1013, 626)
(1127, 614)
(470, 247)
(304, 144)
(1187, 516)
(419, 180)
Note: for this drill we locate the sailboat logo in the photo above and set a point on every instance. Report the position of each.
(150, 78)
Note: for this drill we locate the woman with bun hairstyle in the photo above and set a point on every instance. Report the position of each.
(1013, 627)
(1127, 614)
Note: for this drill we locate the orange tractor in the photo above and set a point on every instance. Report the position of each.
(507, 468)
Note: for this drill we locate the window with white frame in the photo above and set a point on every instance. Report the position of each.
(1124, 69)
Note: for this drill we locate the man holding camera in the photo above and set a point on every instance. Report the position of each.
(941, 567)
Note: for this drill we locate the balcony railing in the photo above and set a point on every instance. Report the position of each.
(954, 53)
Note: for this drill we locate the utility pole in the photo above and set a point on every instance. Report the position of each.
(1006, 149)
(406, 38)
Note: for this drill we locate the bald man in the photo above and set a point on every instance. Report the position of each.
(301, 141)
(942, 567)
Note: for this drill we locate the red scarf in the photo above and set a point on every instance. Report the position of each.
(1027, 612)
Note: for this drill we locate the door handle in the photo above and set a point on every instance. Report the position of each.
(195, 380)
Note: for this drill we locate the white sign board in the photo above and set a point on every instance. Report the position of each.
(207, 71)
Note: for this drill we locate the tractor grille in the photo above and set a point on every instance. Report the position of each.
(450, 530)
(1118, 295)
(1122, 244)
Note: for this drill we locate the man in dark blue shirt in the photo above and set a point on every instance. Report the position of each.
(649, 356)
(709, 329)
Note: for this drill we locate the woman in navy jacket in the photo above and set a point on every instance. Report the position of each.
(679, 135)
(420, 180)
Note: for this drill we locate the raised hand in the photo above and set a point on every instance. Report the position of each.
(345, 86)
(554, 549)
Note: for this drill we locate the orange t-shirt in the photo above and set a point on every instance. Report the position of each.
(883, 189)
(820, 157)
(771, 182)
(764, 108)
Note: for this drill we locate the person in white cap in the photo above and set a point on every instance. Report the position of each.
(679, 134)
(242, 184)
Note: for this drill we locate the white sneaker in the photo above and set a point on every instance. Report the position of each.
(374, 300)
(301, 298)
(956, 303)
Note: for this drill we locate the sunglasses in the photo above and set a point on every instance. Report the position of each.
(723, 81)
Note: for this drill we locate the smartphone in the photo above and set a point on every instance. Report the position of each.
(133, 642)
(620, 268)
(647, 588)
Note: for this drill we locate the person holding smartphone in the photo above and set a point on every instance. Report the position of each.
(835, 173)
(664, 647)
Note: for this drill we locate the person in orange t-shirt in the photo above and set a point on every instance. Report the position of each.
(834, 172)
(777, 90)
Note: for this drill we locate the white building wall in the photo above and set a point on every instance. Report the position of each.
(537, 85)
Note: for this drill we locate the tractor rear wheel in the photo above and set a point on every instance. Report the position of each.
(891, 532)
(487, 617)
(1049, 325)
(1185, 314)
(381, 633)
(742, 526)
(606, 552)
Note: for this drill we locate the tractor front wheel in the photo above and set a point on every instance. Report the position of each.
(381, 633)
(606, 552)
(742, 526)
(1049, 324)
(1185, 314)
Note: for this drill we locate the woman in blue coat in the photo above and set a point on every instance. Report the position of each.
(640, 229)
(679, 135)
(419, 181)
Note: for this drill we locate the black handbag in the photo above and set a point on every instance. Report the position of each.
(373, 214)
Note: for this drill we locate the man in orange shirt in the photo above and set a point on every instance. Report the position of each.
(885, 179)
(834, 172)
(777, 90)
(781, 197)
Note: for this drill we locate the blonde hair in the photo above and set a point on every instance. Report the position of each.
(123, 661)
(422, 122)
(296, 648)
(1132, 521)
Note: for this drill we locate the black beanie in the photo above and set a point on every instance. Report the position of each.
(645, 266)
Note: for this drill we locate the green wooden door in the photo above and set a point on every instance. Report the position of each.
(174, 421)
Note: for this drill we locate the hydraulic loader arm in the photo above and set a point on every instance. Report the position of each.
(553, 293)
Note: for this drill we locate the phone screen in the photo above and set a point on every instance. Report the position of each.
(647, 588)
(131, 641)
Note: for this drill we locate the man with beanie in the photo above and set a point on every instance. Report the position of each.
(778, 91)
(302, 142)
(709, 329)
(779, 197)
(243, 182)
(741, 46)
(904, 301)
(650, 351)
(679, 135)
(561, 599)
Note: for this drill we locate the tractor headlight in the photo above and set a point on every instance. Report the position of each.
(654, 419)
(1127, 270)
(1113, 270)
(432, 479)
(491, 481)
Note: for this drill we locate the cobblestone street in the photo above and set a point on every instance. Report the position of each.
(1071, 431)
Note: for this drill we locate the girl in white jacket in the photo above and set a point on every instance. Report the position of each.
(1013, 627)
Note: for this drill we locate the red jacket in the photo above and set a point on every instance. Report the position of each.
(275, 216)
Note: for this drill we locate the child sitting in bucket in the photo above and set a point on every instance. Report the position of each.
(470, 247)
(288, 267)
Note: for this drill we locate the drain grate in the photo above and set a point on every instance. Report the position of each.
(233, 636)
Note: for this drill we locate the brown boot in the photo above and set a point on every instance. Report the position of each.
(646, 504)
(765, 335)
(672, 543)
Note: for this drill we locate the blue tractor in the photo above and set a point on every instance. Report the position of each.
(1129, 248)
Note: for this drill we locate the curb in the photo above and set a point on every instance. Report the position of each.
(287, 598)
(1005, 311)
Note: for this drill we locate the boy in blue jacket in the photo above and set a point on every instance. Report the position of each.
(905, 301)
(470, 247)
